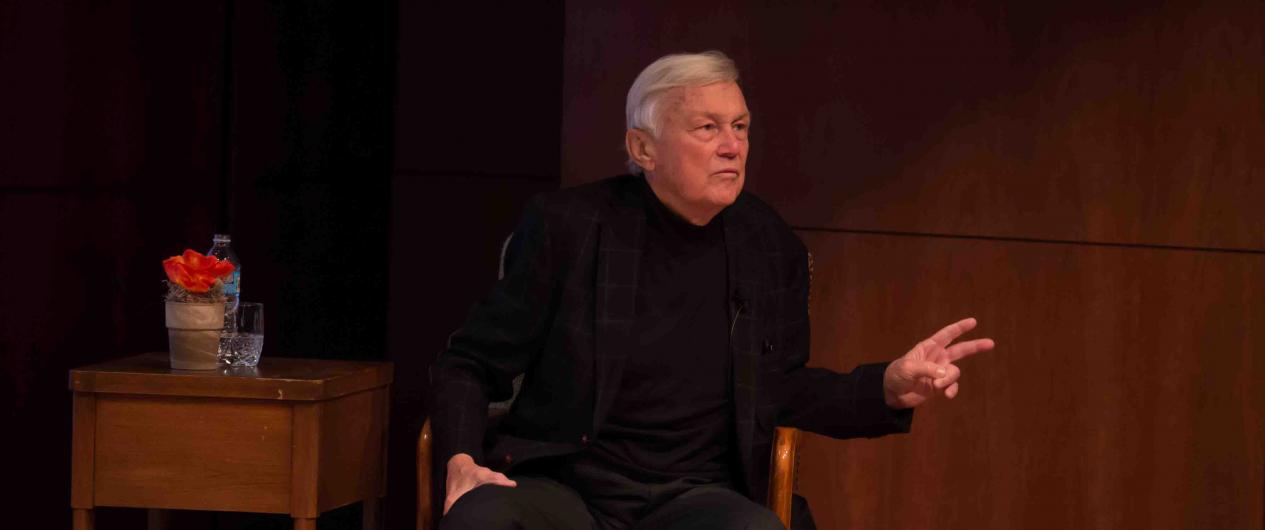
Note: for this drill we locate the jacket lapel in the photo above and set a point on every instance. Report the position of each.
(620, 245)
(743, 286)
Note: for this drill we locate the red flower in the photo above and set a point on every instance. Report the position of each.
(194, 272)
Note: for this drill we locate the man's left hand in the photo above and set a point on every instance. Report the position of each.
(928, 369)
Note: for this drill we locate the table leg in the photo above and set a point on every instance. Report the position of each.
(304, 523)
(83, 518)
(158, 519)
(372, 514)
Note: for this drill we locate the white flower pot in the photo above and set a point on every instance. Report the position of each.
(193, 334)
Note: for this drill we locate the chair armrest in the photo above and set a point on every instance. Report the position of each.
(782, 471)
(425, 511)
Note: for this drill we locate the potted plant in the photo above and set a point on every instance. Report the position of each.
(195, 309)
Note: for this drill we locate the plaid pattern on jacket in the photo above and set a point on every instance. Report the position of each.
(563, 314)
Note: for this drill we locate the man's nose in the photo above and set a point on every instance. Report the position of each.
(730, 144)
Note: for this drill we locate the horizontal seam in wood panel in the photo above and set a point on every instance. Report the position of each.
(474, 175)
(120, 189)
(1149, 246)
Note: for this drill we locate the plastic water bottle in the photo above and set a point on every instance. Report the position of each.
(232, 285)
(231, 349)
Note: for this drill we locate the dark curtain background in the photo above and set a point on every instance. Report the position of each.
(132, 130)
(477, 132)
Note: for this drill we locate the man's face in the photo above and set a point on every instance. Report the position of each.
(700, 156)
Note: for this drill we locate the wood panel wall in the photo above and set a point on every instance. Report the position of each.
(1085, 179)
(1123, 394)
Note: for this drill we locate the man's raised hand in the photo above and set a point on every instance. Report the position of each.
(928, 368)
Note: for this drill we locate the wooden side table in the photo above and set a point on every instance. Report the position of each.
(294, 436)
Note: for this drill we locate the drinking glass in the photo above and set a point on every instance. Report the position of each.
(242, 345)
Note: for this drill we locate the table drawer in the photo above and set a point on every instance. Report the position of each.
(192, 453)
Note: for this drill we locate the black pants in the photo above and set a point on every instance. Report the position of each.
(590, 497)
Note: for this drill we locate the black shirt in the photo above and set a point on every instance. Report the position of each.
(672, 415)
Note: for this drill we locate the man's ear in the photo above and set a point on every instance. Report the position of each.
(640, 147)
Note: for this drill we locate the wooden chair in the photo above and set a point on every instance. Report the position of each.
(783, 464)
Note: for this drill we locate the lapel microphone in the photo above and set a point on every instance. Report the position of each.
(739, 299)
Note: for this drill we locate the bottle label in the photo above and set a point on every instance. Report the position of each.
(230, 284)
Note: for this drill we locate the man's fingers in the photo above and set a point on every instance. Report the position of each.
(928, 350)
(914, 370)
(500, 479)
(487, 476)
(481, 476)
(968, 348)
(951, 332)
(952, 391)
(950, 378)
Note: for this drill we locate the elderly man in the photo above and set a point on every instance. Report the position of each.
(660, 322)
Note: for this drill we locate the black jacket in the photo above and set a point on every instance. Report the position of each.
(563, 314)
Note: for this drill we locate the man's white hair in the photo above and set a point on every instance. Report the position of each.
(643, 109)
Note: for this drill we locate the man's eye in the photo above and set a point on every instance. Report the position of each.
(740, 126)
(707, 127)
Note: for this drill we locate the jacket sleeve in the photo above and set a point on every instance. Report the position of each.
(501, 336)
(840, 405)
